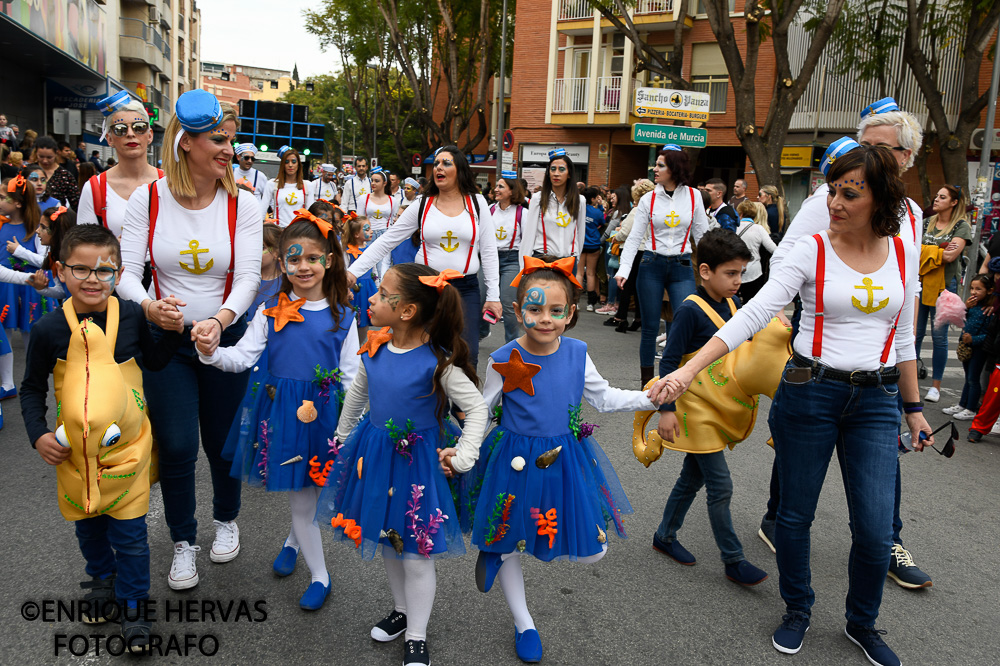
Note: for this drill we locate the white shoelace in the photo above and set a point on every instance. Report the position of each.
(903, 557)
(226, 535)
(184, 556)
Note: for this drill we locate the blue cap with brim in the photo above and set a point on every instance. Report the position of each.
(110, 104)
(508, 174)
(841, 146)
(246, 148)
(557, 152)
(671, 146)
(198, 111)
(883, 105)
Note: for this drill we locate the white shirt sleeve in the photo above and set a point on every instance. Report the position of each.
(640, 220)
(905, 337)
(384, 244)
(464, 393)
(699, 223)
(488, 257)
(246, 264)
(529, 227)
(245, 353)
(85, 213)
(492, 388)
(349, 359)
(13, 277)
(134, 243)
(581, 225)
(33, 258)
(355, 401)
(605, 398)
(765, 239)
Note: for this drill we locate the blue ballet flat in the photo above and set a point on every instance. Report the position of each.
(314, 597)
(284, 563)
(528, 645)
(9, 393)
(487, 567)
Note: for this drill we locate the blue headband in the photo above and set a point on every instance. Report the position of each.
(671, 146)
(838, 148)
(884, 105)
(508, 174)
(557, 152)
(112, 103)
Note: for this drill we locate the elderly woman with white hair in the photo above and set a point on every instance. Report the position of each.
(203, 236)
(127, 129)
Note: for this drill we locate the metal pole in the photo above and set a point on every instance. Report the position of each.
(354, 137)
(341, 138)
(502, 97)
(981, 195)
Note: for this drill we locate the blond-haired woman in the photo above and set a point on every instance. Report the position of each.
(204, 237)
(753, 231)
(777, 211)
(620, 320)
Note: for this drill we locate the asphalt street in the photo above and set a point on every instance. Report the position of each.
(634, 607)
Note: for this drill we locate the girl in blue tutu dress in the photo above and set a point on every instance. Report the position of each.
(389, 485)
(359, 234)
(545, 487)
(312, 343)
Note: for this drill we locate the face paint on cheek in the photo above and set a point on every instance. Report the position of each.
(294, 251)
(322, 261)
(557, 314)
(527, 319)
(535, 296)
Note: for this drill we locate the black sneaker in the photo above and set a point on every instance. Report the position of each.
(390, 628)
(100, 599)
(136, 634)
(904, 571)
(870, 640)
(415, 654)
(975, 436)
(788, 637)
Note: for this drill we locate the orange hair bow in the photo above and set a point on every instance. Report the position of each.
(321, 224)
(16, 183)
(564, 266)
(350, 215)
(441, 280)
(59, 211)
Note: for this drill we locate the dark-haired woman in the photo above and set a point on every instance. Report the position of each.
(839, 391)
(288, 191)
(587, 266)
(620, 202)
(61, 183)
(556, 224)
(668, 221)
(508, 219)
(455, 229)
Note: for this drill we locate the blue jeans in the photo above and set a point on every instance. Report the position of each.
(611, 268)
(973, 390)
(809, 421)
(472, 309)
(183, 398)
(509, 268)
(709, 470)
(656, 273)
(117, 546)
(939, 335)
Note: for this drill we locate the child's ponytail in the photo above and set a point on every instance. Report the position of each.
(61, 220)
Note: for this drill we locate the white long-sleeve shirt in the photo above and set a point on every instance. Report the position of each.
(677, 224)
(459, 389)
(558, 234)
(440, 233)
(320, 190)
(596, 391)
(287, 200)
(23, 252)
(354, 191)
(379, 214)
(185, 243)
(754, 236)
(245, 353)
(853, 339)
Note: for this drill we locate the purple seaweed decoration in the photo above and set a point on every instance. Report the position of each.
(423, 534)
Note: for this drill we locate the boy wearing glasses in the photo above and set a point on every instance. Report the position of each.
(102, 443)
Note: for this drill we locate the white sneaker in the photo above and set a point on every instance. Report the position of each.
(590, 307)
(227, 541)
(183, 570)
(661, 339)
(954, 409)
(965, 415)
(933, 395)
(996, 429)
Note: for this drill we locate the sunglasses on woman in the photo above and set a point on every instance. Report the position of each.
(138, 128)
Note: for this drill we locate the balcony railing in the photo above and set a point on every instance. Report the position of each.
(575, 9)
(654, 6)
(609, 94)
(570, 96)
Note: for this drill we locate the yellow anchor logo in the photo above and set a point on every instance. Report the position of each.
(672, 220)
(870, 288)
(501, 233)
(450, 236)
(378, 214)
(291, 198)
(562, 219)
(197, 269)
(362, 191)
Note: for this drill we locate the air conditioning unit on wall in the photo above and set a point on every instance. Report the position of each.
(978, 136)
(154, 14)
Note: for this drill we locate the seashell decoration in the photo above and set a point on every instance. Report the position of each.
(547, 458)
(293, 459)
(517, 463)
(271, 390)
(394, 538)
(360, 460)
(307, 412)
(601, 536)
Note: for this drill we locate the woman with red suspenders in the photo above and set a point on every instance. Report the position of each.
(288, 191)
(668, 221)
(127, 129)
(556, 222)
(853, 358)
(203, 236)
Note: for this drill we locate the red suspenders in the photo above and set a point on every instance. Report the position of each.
(652, 230)
(517, 221)
(99, 189)
(472, 243)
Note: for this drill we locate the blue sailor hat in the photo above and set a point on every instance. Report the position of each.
(557, 152)
(376, 170)
(283, 150)
(245, 147)
(198, 111)
(112, 103)
(883, 105)
(508, 174)
(841, 146)
(671, 146)
(412, 182)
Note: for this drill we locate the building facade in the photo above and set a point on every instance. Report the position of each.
(231, 82)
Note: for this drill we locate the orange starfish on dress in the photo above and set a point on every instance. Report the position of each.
(375, 340)
(354, 251)
(285, 311)
(517, 374)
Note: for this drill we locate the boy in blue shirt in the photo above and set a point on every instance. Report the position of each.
(592, 248)
(722, 257)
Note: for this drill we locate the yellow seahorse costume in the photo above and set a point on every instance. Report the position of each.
(101, 415)
(720, 407)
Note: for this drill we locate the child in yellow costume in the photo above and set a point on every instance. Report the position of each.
(705, 426)
(102, 444)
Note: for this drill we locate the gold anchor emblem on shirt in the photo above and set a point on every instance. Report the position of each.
(501, 233)
(672, 220)
(450, 236)
(291, 197)
(363, 191)
(870, 288)
(378, 214)
(197, 269)
(562, 219)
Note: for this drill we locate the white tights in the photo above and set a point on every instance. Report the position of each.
(7, 371)
(305, 535)
(511, 577)
(413, 583)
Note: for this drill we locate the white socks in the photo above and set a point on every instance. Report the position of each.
(7, 371)
(511, 578)
(413, 583)
(306, 532)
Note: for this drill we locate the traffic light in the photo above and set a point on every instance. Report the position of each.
(152, 111)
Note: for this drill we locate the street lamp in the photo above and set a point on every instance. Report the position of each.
(341, 109)
(374, 114)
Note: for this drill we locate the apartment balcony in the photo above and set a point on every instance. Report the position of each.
(166, 15)
(574, 10)
(570, 95)
(137, 42)
(576, 17)
(611, 104)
